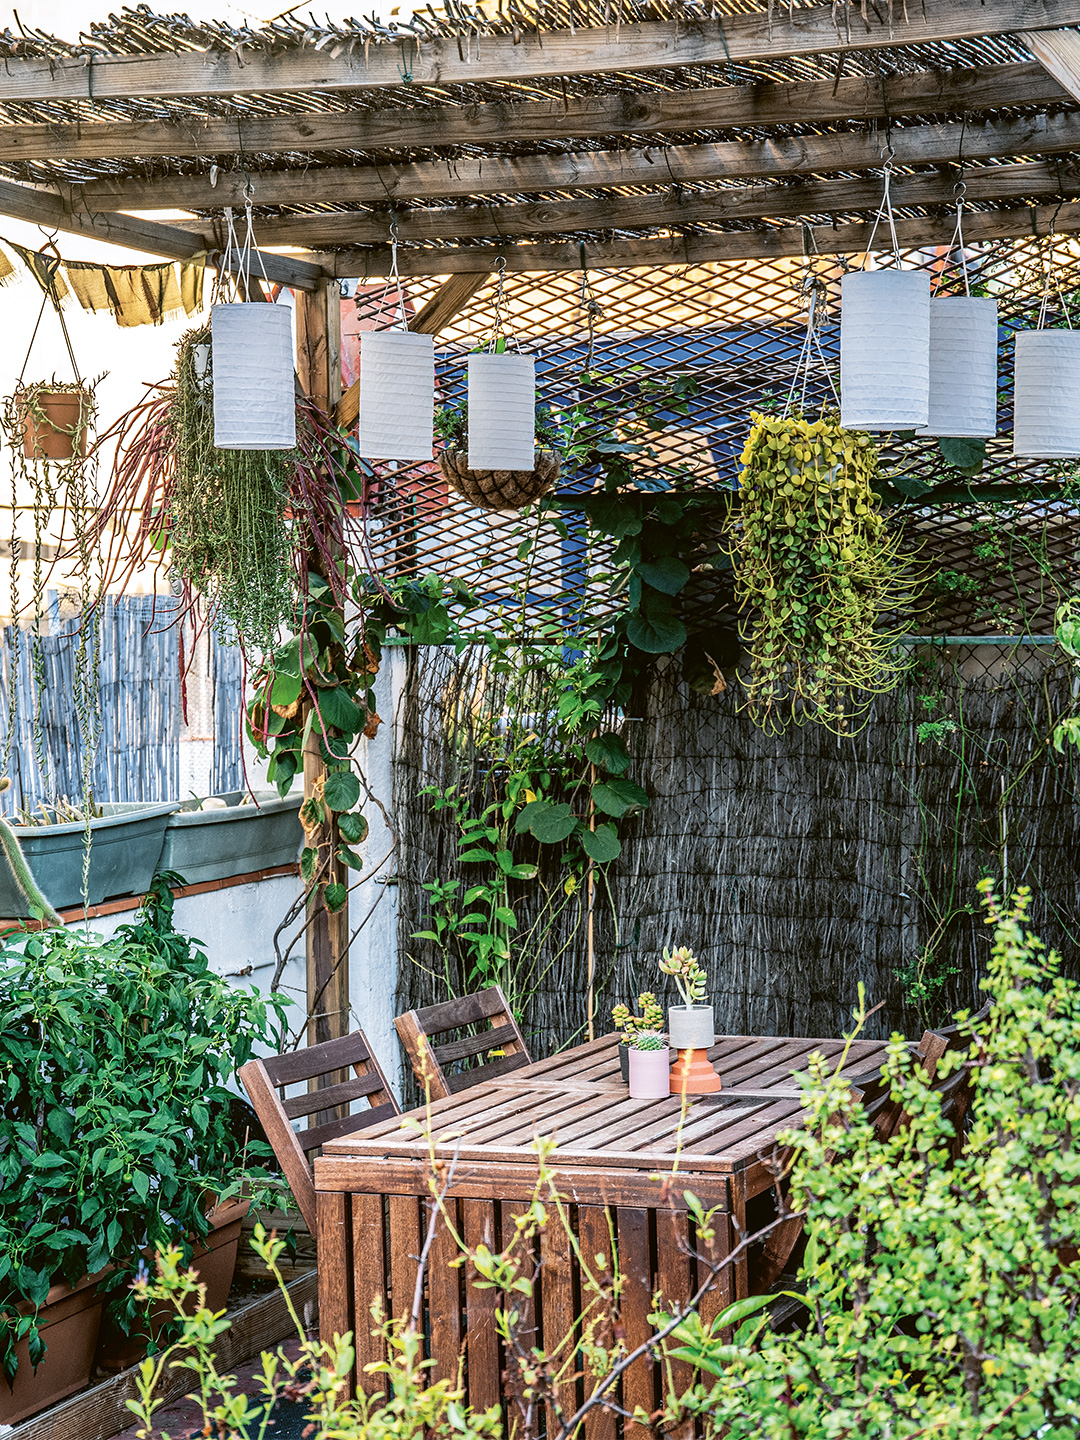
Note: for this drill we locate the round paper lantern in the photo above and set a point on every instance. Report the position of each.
(1046, 395)
(502, 412)
(963, 367)
(397, 395)
(885, 350)
(254, 389)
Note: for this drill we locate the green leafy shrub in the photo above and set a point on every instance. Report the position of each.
(943, 1293)
(114, 1123)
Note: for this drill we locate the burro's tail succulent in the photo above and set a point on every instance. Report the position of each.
(21, 870)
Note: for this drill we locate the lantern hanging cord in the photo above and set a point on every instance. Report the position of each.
(1046, 255)
(885, 210)
(50, 265)
(957, 241)
(498, 319)
(394, 278)
(592, 307)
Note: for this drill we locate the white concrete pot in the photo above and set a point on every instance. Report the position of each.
(691, 1027)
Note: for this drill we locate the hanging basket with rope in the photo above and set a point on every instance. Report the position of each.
(499, 489)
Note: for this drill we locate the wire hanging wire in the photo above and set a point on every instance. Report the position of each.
(592, 307)
(50, 265)
(816, 287)
(499, 330)
(884, 211)
(1046, 257)
(393, 279)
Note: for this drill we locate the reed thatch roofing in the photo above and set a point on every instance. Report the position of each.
(778, 118)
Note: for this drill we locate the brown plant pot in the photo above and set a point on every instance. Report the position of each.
(499, 489)
(214, 1265)
(60, 432)
(69, 1322)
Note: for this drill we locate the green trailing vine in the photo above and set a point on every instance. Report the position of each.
(817, 573)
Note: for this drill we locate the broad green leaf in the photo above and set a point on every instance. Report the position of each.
(547, 822)
(286, 689)
(655, 634)
(967, 456)
(334, 897)
(349, 857)
(601, 844)
(342, 790)
(308, 858)
(338, 710)
(608, 751)
(353, 827)
(619, 797)
(669, 574)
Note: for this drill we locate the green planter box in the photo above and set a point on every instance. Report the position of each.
(124, 849)
(235, 840)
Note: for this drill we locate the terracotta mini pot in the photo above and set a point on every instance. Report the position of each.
(69, 1322)
(691, 1027)
(650, 1074)
(59, 433)
(213, 1263)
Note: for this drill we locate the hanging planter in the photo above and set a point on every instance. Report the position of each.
(963, 368)
(397, 395)
(54, 419)
(1046, 395)
(499, 489)
(885, 350)
(254, 388)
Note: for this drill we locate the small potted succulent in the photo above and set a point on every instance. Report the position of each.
(690, 1025)
(629, 1025)
(650, 1066)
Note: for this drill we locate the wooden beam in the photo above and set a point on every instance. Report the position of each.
(928, 92)
(780, 242)
(1058, 52)
(524, 54)
(171, 242)
(595, 169)
(449, 300)
(665, 208)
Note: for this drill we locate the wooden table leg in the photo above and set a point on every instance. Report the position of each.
(674, 1280)
(405, 1247)
(510, 1211)
(482, 1337)
(444, 1296)
(559, 1313)
(335, 1278)
(639, 1380)
(738, 1216)
(369, 1285)
(595, 1240)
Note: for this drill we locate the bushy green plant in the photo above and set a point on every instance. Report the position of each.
(943, 1293)
(114, 1121)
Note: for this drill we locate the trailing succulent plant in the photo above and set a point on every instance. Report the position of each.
(818, 574)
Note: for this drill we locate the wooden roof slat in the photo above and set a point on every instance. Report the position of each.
(661, 209)
(171, 243)
(642, 112)
(774, 243)
(443, 60)
(1058, 51)
(594, 169)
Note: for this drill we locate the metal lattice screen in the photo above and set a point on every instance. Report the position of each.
(1002, 547)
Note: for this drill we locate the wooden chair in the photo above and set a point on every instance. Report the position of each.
(440, 1066)
(266, 1080)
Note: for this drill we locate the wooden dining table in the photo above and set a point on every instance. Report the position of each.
(622, 1168)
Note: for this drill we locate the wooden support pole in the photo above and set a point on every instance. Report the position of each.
(318, 363)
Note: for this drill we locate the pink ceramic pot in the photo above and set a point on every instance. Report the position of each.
(650, 1074)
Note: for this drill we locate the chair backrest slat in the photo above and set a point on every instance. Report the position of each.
(435, 1063)
(264, 1079)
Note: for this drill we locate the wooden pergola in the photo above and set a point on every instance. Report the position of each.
(541, 137)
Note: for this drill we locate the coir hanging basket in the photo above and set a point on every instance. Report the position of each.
(499, 489)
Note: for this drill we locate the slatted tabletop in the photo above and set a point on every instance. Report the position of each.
(579, 1100)
(374, 1205)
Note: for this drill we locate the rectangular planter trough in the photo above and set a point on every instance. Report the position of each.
(125, 845)
(235, 839)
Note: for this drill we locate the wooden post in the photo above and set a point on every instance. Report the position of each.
(318, 364)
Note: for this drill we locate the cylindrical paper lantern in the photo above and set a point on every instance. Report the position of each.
(254, 389)
(502, 412)
(963, 367)
(1046, 395)
(397, 395)
(885, 350)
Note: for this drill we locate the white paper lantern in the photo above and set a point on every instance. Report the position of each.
(963, 367)
(1046, 395)
(502, 412)
(254, 388)
(885, 350)
(397, 395)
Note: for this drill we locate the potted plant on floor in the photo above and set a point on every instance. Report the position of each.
(115, 1135)
(629, 1025)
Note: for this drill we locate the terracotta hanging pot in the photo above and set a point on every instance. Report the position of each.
(54, 423)
(499, 489)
